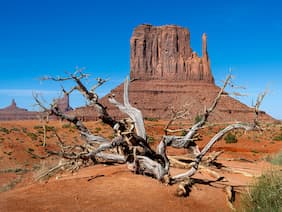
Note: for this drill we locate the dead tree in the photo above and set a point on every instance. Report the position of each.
(130, 136)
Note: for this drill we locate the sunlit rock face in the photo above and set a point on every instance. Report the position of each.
(165, 73)
(164, 53)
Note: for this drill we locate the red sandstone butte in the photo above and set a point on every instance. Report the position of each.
(164, 53)
(13, 112)
(166, 73)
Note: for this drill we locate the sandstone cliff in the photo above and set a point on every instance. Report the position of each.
(166, 73)
(165, 53)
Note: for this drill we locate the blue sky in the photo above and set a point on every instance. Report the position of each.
(49, 37)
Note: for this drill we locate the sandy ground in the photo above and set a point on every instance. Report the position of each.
(115, 188)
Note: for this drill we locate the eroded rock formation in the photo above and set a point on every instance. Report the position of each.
(164, 52)
(64, 103)
(166, 73)
(13, 112)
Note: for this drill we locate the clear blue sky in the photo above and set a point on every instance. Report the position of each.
(42, 37)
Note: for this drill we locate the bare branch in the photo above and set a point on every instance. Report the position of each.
(257, 106)
(132, 112)
(175, 116)
(199, 157)
(208, 111)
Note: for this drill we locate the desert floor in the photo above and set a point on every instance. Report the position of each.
(115, 187)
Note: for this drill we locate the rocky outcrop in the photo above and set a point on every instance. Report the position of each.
(156, 98)
(64, 103)
(164, 53)
(13, 112)
(166, 73)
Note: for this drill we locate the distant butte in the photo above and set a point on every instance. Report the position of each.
(13, 112)
(166, 73)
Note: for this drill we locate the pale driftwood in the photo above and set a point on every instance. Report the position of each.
(206, 159)
(230, 196)
(111, 158)
(175, 116)
(187, 141)
(208, 111)
(199, 157)
(90, 95)
(51, 171)
(237, 171)
(104, 146)
(257, 106)
(180, 142)
(132, 112)
(178, 164)
(145, 165)
(130, 133)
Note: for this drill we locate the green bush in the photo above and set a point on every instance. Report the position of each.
(4, 130)
(36, 127)
(50, 128)
(230, 138)
(265, 194)
(33, 136)
(151, 119)
(277, 137)
(198, 118)
(15, 129)
(277, 159)
(97, 129)
(150, 139)
(67, 125)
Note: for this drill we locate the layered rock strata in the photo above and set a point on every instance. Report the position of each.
(13, 112)
(166, 73)
(165, 53)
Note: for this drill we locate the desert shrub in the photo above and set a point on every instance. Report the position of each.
(230, 138)
(30, 150)
(10, 185)
(254, 151)
(183, 132)
(265, 194)
(277, 137)
(277, 159)
(33, 136)
(150, 139)
(24, 130)
(8, 153)
(40, 129)
(97, 129)
(50, 128)
(15, 129)
(4, 130)
(67, 125)
(197, 119)
(14, 170)
(36, 127)
(151, 119)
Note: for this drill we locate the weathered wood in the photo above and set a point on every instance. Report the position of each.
(199, 157)
(130, 135)
(132, 112)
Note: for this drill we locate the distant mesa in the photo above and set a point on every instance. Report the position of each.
(165, 72)
(13, 112)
